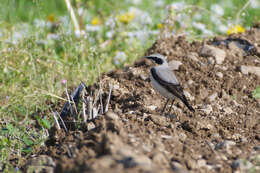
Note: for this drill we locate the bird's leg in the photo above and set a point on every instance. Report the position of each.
(165, 106)
(171, 106)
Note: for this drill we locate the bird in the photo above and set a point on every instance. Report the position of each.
(165, 82)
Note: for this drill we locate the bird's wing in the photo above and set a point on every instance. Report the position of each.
(168, 80)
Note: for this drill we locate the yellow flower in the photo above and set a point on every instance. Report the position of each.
(95, 21)
(51, 18)
(126, 18)
(159, 25)
(235, 30)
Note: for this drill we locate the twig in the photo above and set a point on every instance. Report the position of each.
(72, 15)
(101, 102)
(56, 120)
(108, 98)
(84, 106)
(90, 107)
(66, 130)
(69, 101)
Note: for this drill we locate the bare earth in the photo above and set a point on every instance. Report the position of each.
(223, 135)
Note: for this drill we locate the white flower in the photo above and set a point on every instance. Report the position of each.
(159, 3)
(199, 26)
(217, 9)
(80, 11)
(215, 19)
(255, 3)
(110, 22)
(110, 34)
(92, 28)
(119, 58)
(39, 23)
(53, 36)
(222, 28)
(136, 2)
(142, 16)
(178, 6)
(197, 16)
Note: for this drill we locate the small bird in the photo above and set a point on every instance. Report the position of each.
(165, 82)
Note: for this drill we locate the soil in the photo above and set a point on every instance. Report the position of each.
(133, 136)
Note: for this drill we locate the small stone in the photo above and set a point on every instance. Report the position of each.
(166, 137)
(213, 97)
(160, 120)
(211, 61)
(225, 144)
(211, 51)
(152, 107)
(228, 110)
(174, 65)
(160, 159)
(193, 56)
(144, 76)
(190, 82)
(257, 148)
(219, 74)
(91, 126)
(207, 109)
(244, 165)
(250, 69)
(111, 115)
(188, 95)
(143, 161)
(177, 167)
(192, 164)
(201, 163)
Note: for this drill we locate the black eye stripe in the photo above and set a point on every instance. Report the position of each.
(157, 60)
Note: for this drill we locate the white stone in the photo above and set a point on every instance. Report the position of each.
(174, 65)
(250, 69)
(211, 51)
(219, 74)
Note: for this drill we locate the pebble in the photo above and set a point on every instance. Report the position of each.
(211, 61)
(213, 97)
(207, 109)
(201, 163)
(241, 164)
(188, 95)
(226, 144)
(111, 115)
(177, 167)
(152, 107)
(174, 65)
(160, 120)
(91, 126)
(219, 74)
(250, 69)
(211, 51)
(228, 110)
(257, 148)
(193, 56)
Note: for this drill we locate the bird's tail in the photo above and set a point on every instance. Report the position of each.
(187, 104)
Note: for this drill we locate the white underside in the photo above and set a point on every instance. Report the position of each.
(160, 88)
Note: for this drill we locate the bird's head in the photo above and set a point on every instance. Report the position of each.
(157, 58)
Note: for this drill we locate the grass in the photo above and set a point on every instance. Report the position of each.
(40, 55)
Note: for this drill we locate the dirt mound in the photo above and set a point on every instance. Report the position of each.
(133, 137)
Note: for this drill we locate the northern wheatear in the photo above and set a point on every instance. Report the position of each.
(165, 82)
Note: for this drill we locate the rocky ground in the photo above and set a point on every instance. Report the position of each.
(223, 135)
